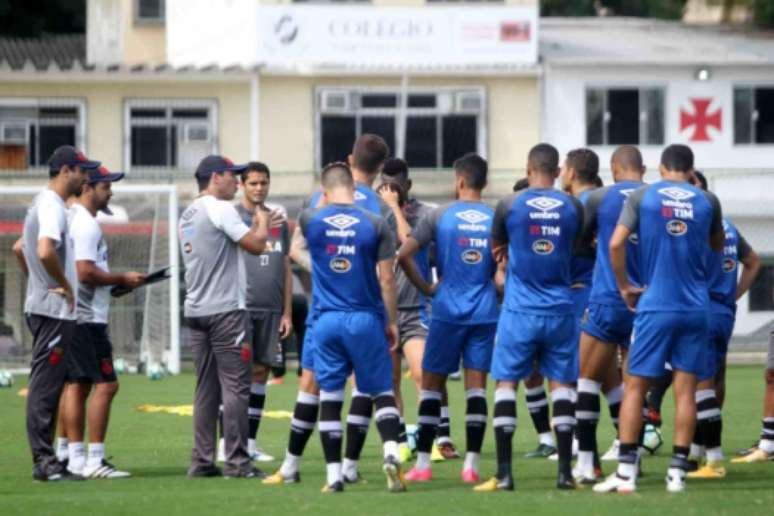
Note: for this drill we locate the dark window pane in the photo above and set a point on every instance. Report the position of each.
(172, 142)
(52, 136)
(384, 126)
(421, 101)
(421, 142)
(378, 101)
(653, 106)
(148, 113)
(761, 291)
(595, 117)
(764, 126)
(338, 134)
(32, 149)
(624, 124)
(743, 108)
(150, 9)
(189, 113)
(150, 147)
(58, 112)
(459, 136)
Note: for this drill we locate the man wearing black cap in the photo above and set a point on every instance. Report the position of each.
(90, 361)
(216, 324)
(50, 303)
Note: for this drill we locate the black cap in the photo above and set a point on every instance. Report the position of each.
(68, 155)
(102, 174)
(214, 163)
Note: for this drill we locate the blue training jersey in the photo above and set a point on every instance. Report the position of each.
(461, 232)
(723, 268)
(345, 243)
(583, 266)
(673, 221)
(601, 217)
(542, 227)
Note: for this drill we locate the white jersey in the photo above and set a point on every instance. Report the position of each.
(48, 218)
(210, 230)
(90, 245)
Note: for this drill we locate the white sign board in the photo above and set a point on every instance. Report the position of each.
(350, 35)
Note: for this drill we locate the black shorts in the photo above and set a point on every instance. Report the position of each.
(266, 342)
(91, 356)
(411, 326)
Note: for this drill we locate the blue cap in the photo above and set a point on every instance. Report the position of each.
(68, 155)
(102, 174)
(214, 163)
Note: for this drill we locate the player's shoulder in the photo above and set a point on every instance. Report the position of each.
(81, 221)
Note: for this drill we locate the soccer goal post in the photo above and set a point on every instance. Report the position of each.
(141, 235)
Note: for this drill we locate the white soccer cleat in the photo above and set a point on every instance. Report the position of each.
(615, 484)
(611, 455)
(258, 455)
(675, 480)
(584, 476)
(104, 470)
(221, 450)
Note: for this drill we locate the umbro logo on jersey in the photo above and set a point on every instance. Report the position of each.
(360, 196)
(472, 216)
(544, 203)
(341, 221)
(676, 194)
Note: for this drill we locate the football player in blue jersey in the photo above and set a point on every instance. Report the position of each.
(676, 224)
(355, 329)
(608, 322)
(539, 231)
(464, 313)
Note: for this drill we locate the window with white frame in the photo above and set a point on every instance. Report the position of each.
(440, 125)
(169, 133)
(754, 114)
(149, 11)
(30, 129)
(619, 116)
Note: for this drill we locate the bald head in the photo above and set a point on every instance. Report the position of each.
(626, 163)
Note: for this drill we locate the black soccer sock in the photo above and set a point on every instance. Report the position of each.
(255, 407)
(475, 419)
(402, 433)
(641, 438)
(428, 419)
(358, 421)
(537, 404)
(387, 421)
(563, 408)
(709, 422)
(614, 397)
(330, 425)
(302, 424)
(627, 460)
(444, 426)
(658, 389)
(504, 422)
(587, 414)
(680, 458)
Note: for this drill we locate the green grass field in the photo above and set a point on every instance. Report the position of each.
(156, 447)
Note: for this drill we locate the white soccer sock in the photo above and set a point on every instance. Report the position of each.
(290, 464)
(715, 454)
(766, 445)
(627, 470)
(77, 455)
(333, 472)
(423, 460)
(251, 445)
(349, 468)
(697, 451)
(585, 461)
(61, 448)
(547, 438)
(390, 449)
(96, 454)
(471, 461)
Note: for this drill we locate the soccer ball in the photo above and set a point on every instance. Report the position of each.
(119, 365)
(6, 379)
(156, 371)
(652, 440)
(411, 437)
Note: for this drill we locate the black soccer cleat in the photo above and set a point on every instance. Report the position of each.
(565, 481)
(336, 487)
(208, 471)
(251, 472)
(53, 472)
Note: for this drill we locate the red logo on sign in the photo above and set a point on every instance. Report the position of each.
(514, 31)
(700, 120)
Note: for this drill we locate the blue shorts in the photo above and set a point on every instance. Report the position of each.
(580, 300)
(609, 323)
(721, 326)
(448, 342)
(352, 341)
(524, 338)
(307, 352)
(679, 338)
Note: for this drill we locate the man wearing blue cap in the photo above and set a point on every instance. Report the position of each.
(215, 321)
(90, 361)
(49, 306)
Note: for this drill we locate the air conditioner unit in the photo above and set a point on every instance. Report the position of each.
(468, 102)
(335, 101)
(14, 132)
(196, 133)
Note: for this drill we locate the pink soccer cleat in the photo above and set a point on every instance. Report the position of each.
(470, 476)
(419, 475)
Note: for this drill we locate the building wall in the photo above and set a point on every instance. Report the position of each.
(105, 110)
(142, 43)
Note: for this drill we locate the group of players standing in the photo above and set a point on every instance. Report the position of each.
(553, 277)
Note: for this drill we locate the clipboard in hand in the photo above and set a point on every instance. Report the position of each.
(153, 277)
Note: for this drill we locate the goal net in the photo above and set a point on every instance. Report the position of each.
(141, 235)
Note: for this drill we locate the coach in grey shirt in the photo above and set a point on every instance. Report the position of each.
(50, 303)
(216, 325)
